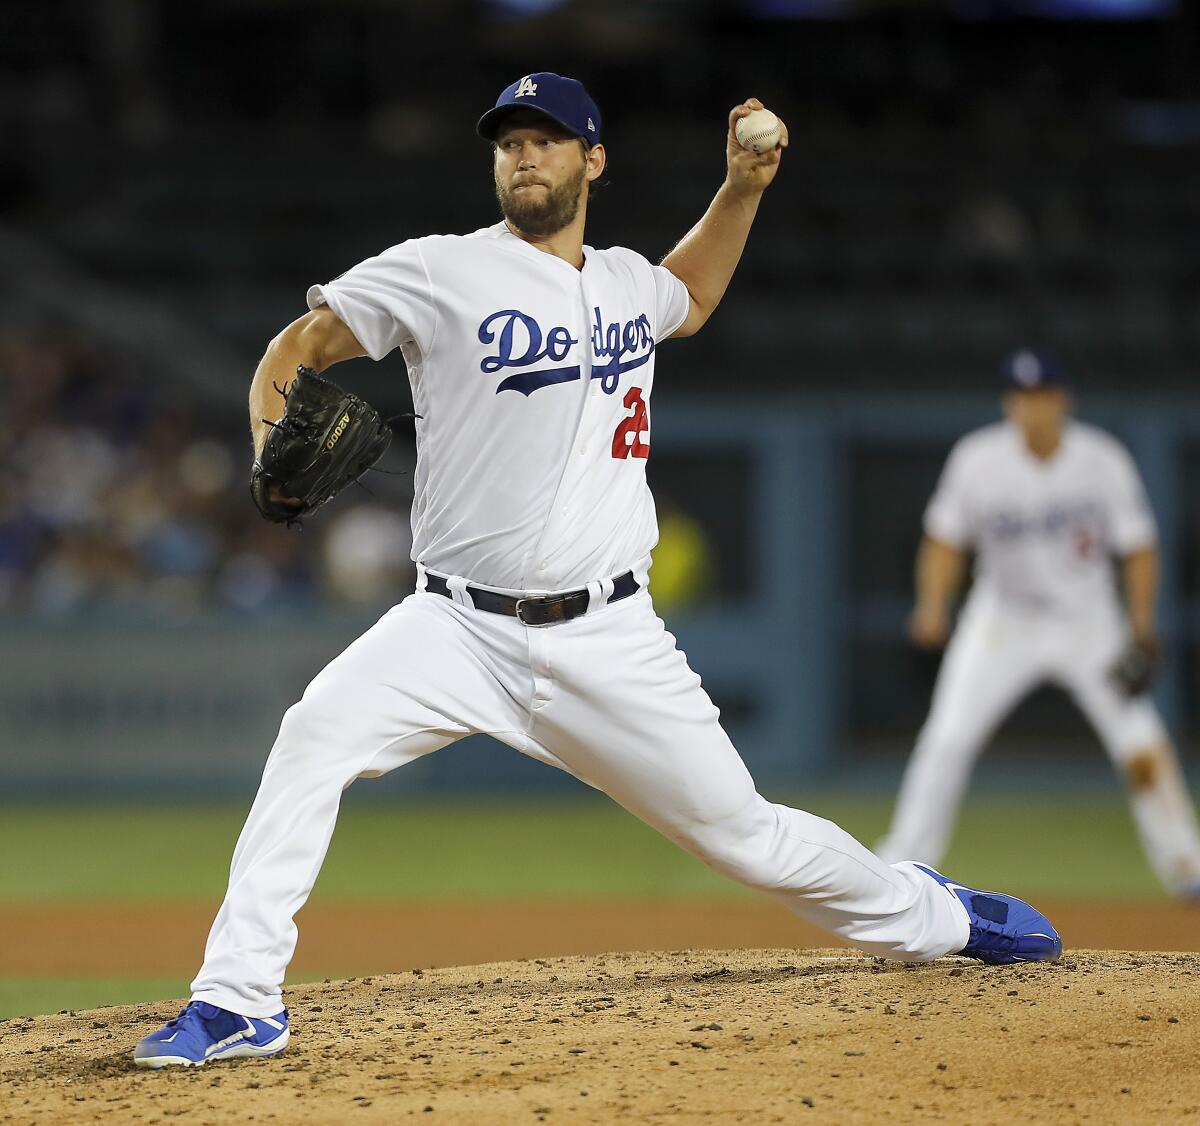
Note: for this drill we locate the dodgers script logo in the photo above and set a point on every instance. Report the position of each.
(520, 342)
(1082, 520)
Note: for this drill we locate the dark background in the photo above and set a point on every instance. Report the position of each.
(955, 184)
(963, 178)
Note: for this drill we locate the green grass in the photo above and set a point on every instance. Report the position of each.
(1079, 847)
(22, 996)
(1082, 847)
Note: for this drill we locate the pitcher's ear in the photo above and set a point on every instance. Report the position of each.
(597, 159)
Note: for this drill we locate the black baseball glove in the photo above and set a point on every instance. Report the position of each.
(1134, 670)
(326, 438)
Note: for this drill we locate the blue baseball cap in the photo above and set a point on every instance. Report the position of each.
(561, 99)
(1027, 370)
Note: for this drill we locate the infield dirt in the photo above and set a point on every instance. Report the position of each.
(347, 938)
(719, 1036)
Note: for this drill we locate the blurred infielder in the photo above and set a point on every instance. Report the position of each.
(531, 358)
(1044, 502)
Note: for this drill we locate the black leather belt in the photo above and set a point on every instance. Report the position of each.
(539, 609)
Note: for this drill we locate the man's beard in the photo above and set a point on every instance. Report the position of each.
(546, 215)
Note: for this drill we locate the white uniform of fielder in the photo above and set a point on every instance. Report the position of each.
(532, 376)
(1043, 609)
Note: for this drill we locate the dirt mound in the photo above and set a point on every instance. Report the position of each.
(724, 1036)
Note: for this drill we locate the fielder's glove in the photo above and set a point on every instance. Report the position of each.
(326, 439)
(1134, 670)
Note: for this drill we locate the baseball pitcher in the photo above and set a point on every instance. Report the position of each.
(1045, 503)
(532, 361)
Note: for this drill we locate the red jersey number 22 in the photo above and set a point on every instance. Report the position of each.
(627, 441)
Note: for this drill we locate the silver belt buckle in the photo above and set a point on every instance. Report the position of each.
(554, 604)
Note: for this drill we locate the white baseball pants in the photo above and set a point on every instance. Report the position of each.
(606, 697)
(995, 658)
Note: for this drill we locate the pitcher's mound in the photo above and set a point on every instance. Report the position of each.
(719, 1036)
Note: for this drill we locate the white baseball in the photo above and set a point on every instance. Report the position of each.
(758, 131)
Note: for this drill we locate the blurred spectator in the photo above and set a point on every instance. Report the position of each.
(684, 571)
(111, 497)
(366, 555)
(990, 234)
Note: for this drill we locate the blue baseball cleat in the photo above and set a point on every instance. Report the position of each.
(1004, 930)
(202, 1032)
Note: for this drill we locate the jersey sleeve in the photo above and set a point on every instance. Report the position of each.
(1131, 525)
(672, 301)
(948, 514)
(386, 301)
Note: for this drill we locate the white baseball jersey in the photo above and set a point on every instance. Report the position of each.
(532, 380)
(1043, 610)
(1043, 530)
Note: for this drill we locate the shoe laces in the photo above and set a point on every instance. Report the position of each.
(193, 1010)
(993, 935)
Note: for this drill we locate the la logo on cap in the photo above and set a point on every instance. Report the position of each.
(1026, 369)
(525, 86)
